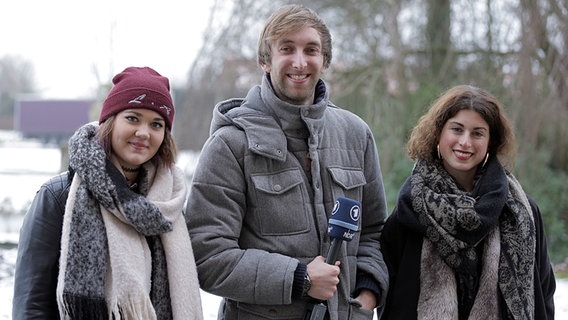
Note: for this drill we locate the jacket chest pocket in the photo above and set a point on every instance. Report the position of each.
(347, 182)
(280, 206)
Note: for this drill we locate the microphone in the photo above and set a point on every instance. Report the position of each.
(343, 224)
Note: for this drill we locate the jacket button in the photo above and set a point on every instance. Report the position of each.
(277, 187)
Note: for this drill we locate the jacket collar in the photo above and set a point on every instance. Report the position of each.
(267, 120)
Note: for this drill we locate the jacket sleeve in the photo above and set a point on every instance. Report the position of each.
(545, 283)
(369, 257)
(37, 262)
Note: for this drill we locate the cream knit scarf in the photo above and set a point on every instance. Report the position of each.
(124, 255)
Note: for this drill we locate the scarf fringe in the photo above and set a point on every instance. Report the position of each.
(75, 307)
(133, 309)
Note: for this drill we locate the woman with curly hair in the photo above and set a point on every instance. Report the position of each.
(464, 240)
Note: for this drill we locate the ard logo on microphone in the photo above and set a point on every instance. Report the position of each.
(353, 212)
(343, 222)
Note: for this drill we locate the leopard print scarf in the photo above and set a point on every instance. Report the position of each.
(455, 222)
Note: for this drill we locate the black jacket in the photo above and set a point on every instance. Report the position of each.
(37, 264)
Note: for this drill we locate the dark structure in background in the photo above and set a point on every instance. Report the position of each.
(50, 121)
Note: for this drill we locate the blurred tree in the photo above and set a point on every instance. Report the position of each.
(225, 67)
(438, 33)
(392, 58)
(6, 207)
(16, 77)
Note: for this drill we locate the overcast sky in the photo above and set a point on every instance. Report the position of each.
(71, 43)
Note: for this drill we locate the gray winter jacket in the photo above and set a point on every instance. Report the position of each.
(256, 212)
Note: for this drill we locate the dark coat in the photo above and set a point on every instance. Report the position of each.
(402, 250)
(37, 264)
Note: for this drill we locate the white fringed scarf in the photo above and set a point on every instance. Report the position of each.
(106, 265)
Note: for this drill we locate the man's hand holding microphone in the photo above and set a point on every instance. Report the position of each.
(324, 278)
(323, 273)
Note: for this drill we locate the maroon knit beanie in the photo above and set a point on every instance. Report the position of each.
(139, 88)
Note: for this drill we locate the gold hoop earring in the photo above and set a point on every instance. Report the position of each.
(485, 161)
(439, 154)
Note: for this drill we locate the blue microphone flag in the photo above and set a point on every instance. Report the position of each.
(344, 220)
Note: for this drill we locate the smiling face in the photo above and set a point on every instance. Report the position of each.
(464, 142)
(136, 136)
(296, 65)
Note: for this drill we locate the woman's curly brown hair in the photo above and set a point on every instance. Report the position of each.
(424, 138)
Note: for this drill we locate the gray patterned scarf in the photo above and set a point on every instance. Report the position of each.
(124, 255)
(456, 222)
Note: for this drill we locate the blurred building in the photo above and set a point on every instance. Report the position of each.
(50, 121)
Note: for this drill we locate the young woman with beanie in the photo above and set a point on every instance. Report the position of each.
(464, 240)
(107, 239)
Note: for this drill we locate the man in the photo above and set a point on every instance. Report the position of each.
(267, 181)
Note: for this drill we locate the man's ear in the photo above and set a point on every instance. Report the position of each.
(266, 68)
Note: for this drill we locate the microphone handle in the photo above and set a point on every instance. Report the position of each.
(318, 311)
(333, 250)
